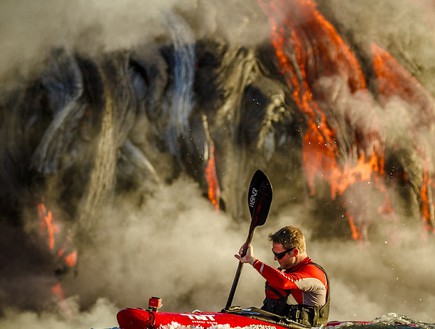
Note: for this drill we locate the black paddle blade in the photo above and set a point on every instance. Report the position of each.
(259, 198)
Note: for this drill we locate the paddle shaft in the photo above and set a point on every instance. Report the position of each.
(239, 269)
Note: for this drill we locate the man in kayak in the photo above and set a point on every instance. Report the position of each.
(298, 289)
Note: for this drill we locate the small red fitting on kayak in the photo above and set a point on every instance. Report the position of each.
(154, 303)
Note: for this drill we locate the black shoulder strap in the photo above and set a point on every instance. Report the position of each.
(276, 292)
(327, 280)
(324, 310)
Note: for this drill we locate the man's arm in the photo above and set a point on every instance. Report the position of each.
(275, 277)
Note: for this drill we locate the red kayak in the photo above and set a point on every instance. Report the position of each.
(139, 318)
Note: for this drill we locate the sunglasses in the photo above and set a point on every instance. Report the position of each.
(280, 255)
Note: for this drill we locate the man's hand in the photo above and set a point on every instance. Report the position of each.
(249, 257)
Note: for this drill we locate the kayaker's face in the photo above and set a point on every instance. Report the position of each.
(283, 256)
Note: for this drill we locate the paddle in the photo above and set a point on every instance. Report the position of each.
(259, 200)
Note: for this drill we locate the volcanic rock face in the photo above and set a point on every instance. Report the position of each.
(283, 92)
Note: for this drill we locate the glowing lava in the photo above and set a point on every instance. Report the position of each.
(308, 47)
(394, 81)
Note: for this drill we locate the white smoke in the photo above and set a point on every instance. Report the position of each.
(179, 248)
(29, 30)
(100, 315)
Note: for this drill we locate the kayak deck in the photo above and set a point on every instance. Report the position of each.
(259, 314)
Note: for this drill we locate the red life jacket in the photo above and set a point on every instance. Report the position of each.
(302, 305)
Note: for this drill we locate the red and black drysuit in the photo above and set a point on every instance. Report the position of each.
(300, 293)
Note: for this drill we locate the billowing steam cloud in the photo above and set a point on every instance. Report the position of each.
(166, 249)
(119, 119)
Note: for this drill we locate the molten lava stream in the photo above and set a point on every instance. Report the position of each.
(294, 24)
(212, 180)
(60, 247)
(393, 80)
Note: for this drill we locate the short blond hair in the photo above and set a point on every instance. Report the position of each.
(290, 237)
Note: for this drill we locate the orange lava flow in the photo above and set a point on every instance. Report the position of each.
(214, 192)
(393, 80)
(47, 223)
(57, 291)
(58, 244)
(308, 47)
